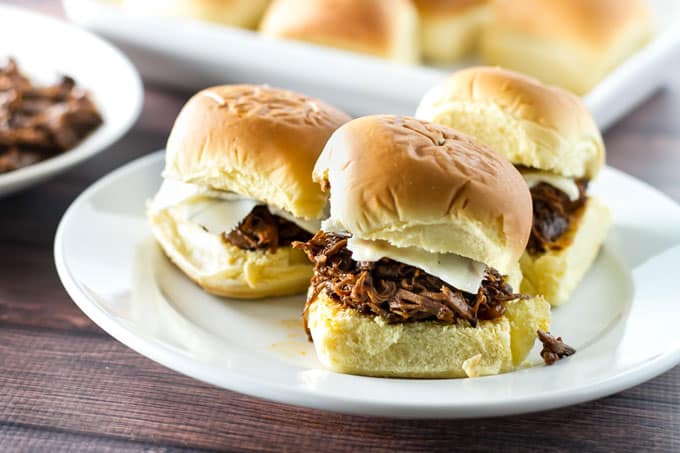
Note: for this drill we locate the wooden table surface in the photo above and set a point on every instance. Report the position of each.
(65, 385)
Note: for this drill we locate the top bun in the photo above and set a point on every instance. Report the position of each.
(450, 29)
(239, 13)
(597, 24)
(257, 141)
(418, 184)
(385, 28)
(446, 7)
(529, 123)
(570, 43)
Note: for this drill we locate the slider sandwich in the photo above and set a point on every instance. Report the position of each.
(410, 269)
(238, 189)
(550, 136)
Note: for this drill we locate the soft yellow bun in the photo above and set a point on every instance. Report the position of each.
(529, 123)
(239, 13)
(349, 342)
(254, 140)
(385, 28)
(570, 43)
(223, 269)
(555, 274)
(450, 29)
(419, 184)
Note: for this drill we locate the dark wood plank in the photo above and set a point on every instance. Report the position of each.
(99, 387)
(22, 438)
(646, 144)
(44, 305)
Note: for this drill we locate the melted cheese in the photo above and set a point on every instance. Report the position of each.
(310, 225)
(566, 185)
(331, 225)
(459, 272)
(217, 211)
(216, 215)
(173, 193)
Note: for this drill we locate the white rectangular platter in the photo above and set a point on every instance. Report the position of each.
(192, 55)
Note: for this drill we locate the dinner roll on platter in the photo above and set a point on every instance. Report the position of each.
(237, 13)
(411, 266)
(548, 133)
(383, 28)
(238, 189)
(450, 29)
(569, 43)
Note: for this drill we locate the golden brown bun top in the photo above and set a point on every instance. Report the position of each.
(239, 13)
(595, 23)
(560, 134)
(436, 7)
(419, 184)
(258, 141)
(370, 26)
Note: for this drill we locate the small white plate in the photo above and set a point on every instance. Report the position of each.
(46, 48)
(623, 319)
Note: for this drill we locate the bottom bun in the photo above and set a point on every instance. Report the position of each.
(347, 341)
(225, 270)
(555, 274)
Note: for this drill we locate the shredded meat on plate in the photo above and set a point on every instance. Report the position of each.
(554, 213)
(38, 122)
(396, 291)
(262, 230)
(553, 348)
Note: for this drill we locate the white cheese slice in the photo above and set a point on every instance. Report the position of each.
(173, 193)
(216, 215)
(459, 272)
(331, 225)
(566, 185)
(310, 225)
(217, 211)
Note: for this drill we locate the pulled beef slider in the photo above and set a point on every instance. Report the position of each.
(550, 135)
(238, 188)
(409, 270)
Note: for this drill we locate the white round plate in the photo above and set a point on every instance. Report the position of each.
(46, 48)
(623, 319)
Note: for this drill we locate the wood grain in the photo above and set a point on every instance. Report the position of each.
(67, 386)
(94, 386)
(30, 439)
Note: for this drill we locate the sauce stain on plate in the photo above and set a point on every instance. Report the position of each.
(297, 345)
(293, 324)
(291, 348)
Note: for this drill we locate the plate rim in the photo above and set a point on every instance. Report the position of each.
(28, 176)
(270, 390)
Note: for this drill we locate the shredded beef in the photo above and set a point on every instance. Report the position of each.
(38, 122)
(554, 213)
(262, 230)
(396, 291)
(553, 348)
